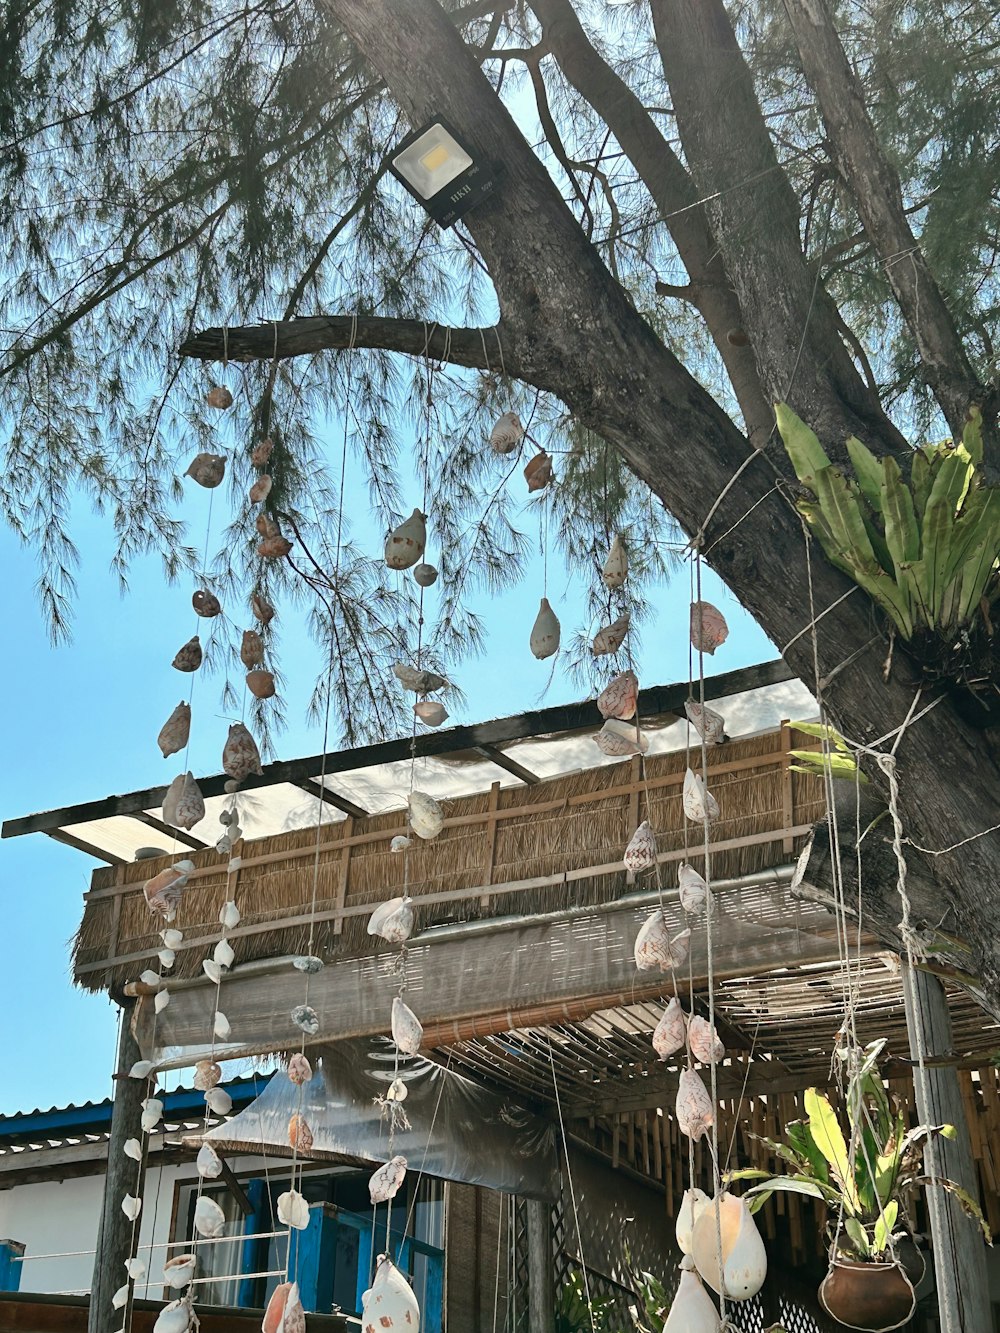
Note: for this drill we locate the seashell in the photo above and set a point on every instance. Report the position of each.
(692, 1310)
(131, 1207)
(223, 953)
(389, 1303)
(640, 854)
(261, 608)
(300, 1136)
(225, 845)
(430, 712)
(690, 1210)
(680, 947)
(284, 1313)
(711, 727)
(693, 889)
(744, 1259)
(293, 1210)
(538, 472)
(669, 1033)
(120, 1299)
(136, 1269)
(694, 1109)
(177, 1317)
(133, 1149)
(425, 575)
(704, 1041)
(652, 944)
(178, 1271)
(175, 731)
(188, 658)
(163, 891)
(261, 453)
(261, 684)
(160, 1001)
(240, 756)
(507, 434)
(173, 938)
(229, 915)
(620, 697)
(261, 489)
(149, 977)
(221, 1025)
(212, 970)
(206, 604)
(699, 803)
(617, 739)
(400, 843)
(405, 544)
(231, 786)
(207, 470)
(170, 798)
(209, 1219)
(426, 816)
(306, 1019)
(207, 1074)
(299, 1070)
(421, 682)
(141, 1069)
(266, 525)
(611, 637)
(308, 962)
(397, 1091)
(274, 548)
(189, 806)
(219, 397)
(208, 1162)
(544, 638)
(152, 1113)
(708, 627)
(615, 570)
(392, 920)
(385, 1182)
(251, 649)
(407, 1031)
(218, 1101)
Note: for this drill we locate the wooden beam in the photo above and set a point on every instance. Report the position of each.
(176, 834)
(325, 793)
(71, 840)
(497, 756)
(26, 1312)
(653, 702)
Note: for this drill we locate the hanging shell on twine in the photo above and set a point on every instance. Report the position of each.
(188, 658)
(694, 1109)
(293, 1210)
(261, 452)
(189, 808)
(149, 977)
(693, 889)
(219, 397)
(207, 1075)
(209, 1219)
(136, 1268)
(620, 697)
(708, 627)
(251, 649)
(306, 1019)
(397, 1091)
(407, 1031)
(392, 920)
(710, 726)
(141, 1069)
(151, 1114)
(274, 548)
(160, 1001)
(307, 962)
(284, 1313)
(261, 608)
(172, 938)
(430, 712)
(229, 915)
(669, 1033)
(177, 1317)
(170, 798)
(218, 1101)
(615, 570)
(206, 604)
(611, 637)
(617, 739)
(507, 434)
(744, 1259)
(389, 1304)
(655, 949)
(300, 1136)
(261, 489)
(131, 1206)
(221, 1025)
(692, 1310)
(266, 526)
(120, 1299)
(208, 1162)
(400, 843)
(704, 1041)
(538, 472)
(163, 891)
(420, 682)
(405, 544)
(178, 1271)
(224, 954)
(680, 947)
(240, 756)
(426, 816)
(544, 638)
(687, 1215)
(212, 970)
(261, 684)
(299, 1070)
(426, 575)
(133, 1149)
(386, 1181)
(207, 470)
(175, 731)
(640, 854)
(699, 803)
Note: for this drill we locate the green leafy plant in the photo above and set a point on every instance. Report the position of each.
(574, 1314)
(924, 549)
(652, 1302)
(837, 760)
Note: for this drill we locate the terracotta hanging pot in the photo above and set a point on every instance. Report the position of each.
(538, 472)
(865, 1295)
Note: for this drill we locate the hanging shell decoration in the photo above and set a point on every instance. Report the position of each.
(744, 1259)
(708, 627)
(693, 889)
(620, 697)
(261, 684)
(212, 970)
(160, 1001)
(640, 854)
(405, 544)
(266, 525)
(538, 472)
(229, 915)
(669, 1033)
(407, 1031)
(131, 1206)
(711, 727)
(218, 1101)
(692, 1310)
(120, 1299)
(392, 920)
(274, 548)
(208, 1162)
(680, 947)
(611, 637)
(209, 1219)
(687, 1215)
(163, 891)
(219, 397)
(386, 1181)
(173, 938)
(615, 570)
(430, 712)
(425, 575)
(207, 1075)
(652, 944)
(426, 816)
(136, 1268)
(694, 1109)
(261, 608)
(206, 604)
(300, 1136)
(699, 803)
(170, 798)
(152, 1113)
(507, 434)
(284, 1313)
(299, 1070)
(420, 682)
(177, 1317)
(207, 470)
(189, 657)
(544, 638)
(178, 1271)
(240, 756)
(293, 1210)
(141, 1069)
(261, 489)
(261, 453)
(306, 1019)
(389, 1304)
(307, 962)
(133, 1149)
(221, 1025)
(617, 739)
(251, 649)
(175, 731)
(189, 808)
(400, 843)
(704, 1041)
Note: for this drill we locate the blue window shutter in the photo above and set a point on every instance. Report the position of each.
(251, 1248)
(314, 1258)
(10, 1265)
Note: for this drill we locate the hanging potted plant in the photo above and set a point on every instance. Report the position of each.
(863, 1167)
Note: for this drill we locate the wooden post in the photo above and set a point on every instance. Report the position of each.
(541, 1268)
(124, 1176)
(958, 1248)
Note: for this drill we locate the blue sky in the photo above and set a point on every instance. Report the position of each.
(81, 723)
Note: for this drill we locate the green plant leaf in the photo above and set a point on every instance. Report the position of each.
(858, 1236)
(800, 1137)
(902, 535)
(920, 482)
(938, 529)
(972, 435)
(967, 1203)
(829, 1139)
(819, 765)
(797, 1185)
(884, 1224)
(868, 471)
(804, 450)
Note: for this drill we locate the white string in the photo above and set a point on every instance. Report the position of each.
(572, 1191)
